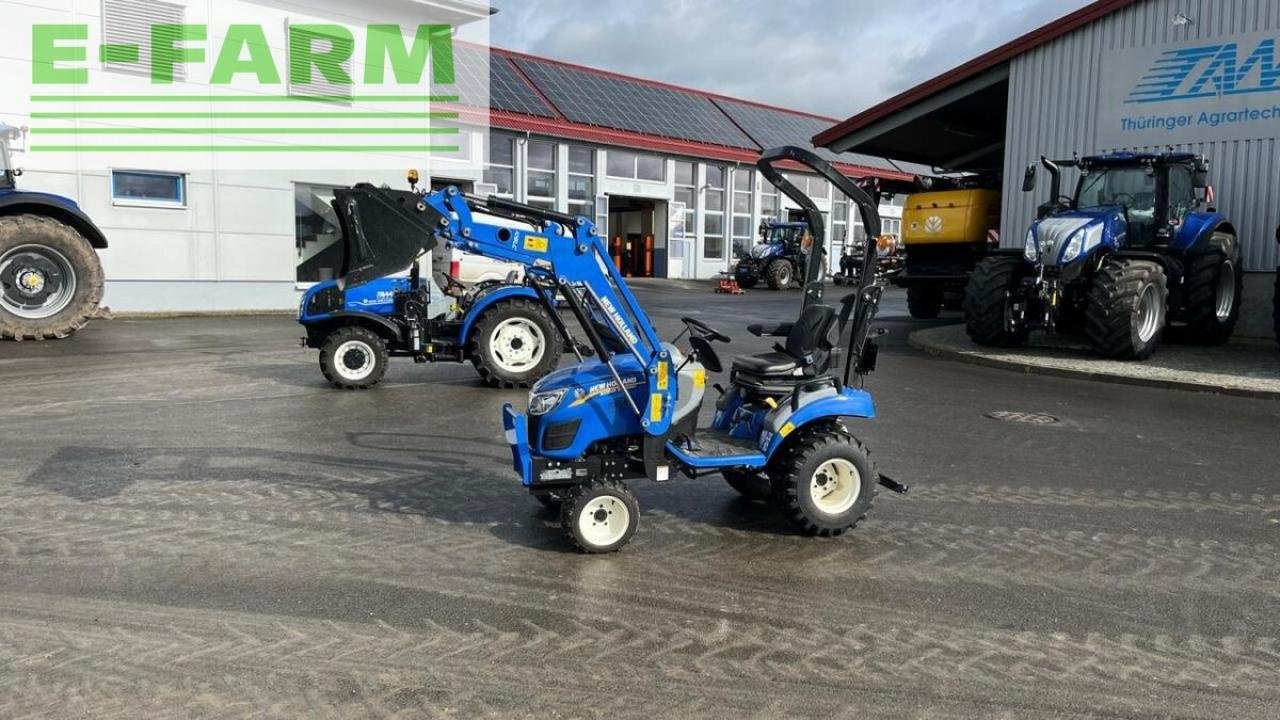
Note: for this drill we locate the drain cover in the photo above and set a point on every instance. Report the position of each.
(1022, 417)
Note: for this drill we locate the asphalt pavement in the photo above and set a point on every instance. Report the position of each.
(192, 524)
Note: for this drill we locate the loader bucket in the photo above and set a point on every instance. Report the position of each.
(384, 230)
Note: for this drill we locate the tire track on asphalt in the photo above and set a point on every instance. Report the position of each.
(169, 644)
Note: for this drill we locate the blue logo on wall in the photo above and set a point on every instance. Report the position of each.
(1209, 71)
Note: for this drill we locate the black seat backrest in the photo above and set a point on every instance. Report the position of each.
(812, 333)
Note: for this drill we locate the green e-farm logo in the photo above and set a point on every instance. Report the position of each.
(253, 89)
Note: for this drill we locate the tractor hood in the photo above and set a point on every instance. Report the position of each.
(1070, 236)
(384, 231)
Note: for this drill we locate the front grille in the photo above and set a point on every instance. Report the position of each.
(327, 300)
(561, 435)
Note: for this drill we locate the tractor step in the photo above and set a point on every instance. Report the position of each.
(716, 449)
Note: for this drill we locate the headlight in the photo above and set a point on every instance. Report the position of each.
(1082, 242)
(1030, 251)
(544, 402)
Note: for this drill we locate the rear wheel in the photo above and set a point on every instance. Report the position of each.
(50, 279)
(988, 306)
(750, 484)
(824, 482)
(1125, 316)
(924, 303)
(780, 275)
(354, 358)
(1214, 285)
(514, 344)
(600, 516)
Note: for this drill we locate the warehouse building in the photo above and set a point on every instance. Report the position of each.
(1196, 75)
(667, 172)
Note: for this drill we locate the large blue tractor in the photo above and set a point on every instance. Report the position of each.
(778, 259)
(1135, 254)
(50, 276)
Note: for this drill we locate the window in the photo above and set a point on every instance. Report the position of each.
(633, 166)
(541, 190)
(1182, 194)
(154, 189)
(687, 193)
(713, 219)
(582, 181)
(319, 85)
(743, 182)
(127, 23)
(769, 202)
(500, 171)
(317, 234)
(839, 226)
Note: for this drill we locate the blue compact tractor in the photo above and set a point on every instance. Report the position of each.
(1133, 255)
(50, 275)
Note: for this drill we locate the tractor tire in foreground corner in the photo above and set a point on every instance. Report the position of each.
(50, 279)
(986, 302)
(824, 482)
(1214, 285)
(924, 303)
(1127, 307)
(514, 344)
(354, 358)
(780, 275)
(600, 516)
(749, 484)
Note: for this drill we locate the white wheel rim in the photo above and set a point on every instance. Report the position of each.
(835, 486)
(517, 344)
(604, 520)
(1226, 291)
(29, 277)
(354, 360)
(1149, 315)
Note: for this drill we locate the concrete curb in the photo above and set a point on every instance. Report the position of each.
(942, 342)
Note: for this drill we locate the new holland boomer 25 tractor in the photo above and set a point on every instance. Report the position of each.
(630, 410)
(1129, 257)
(50, 275)
(502, 327)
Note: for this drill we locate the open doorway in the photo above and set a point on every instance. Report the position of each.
(638, 235)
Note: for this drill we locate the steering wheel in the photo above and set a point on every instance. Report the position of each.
(698, 327)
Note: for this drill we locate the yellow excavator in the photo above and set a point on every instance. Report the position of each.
(945, 232)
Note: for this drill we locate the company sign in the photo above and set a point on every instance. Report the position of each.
(1201, 91)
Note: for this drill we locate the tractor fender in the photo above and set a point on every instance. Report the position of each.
(488, 299)
(1197, 231)
(828, 405)
(377, 323)
(57, 207)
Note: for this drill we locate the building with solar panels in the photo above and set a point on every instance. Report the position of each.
(666, 172)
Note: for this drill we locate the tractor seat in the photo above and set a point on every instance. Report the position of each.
(805, 355)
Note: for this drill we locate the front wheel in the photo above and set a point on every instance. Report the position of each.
(600, 516)
(1126, 310)
(50, 279)
(924, 303)
(825, 483)
(747, 283)
(354, 358)
(988, 302)
(780, 275)
(514, 344)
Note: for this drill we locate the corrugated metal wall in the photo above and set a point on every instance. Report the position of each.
(1053, 96)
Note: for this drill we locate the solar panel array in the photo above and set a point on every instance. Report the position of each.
(605, 101)
(772, 128)
(507, 90)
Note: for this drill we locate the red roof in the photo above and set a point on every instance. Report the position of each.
(974, 67)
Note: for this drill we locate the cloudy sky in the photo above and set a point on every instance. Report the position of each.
(832, 57)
